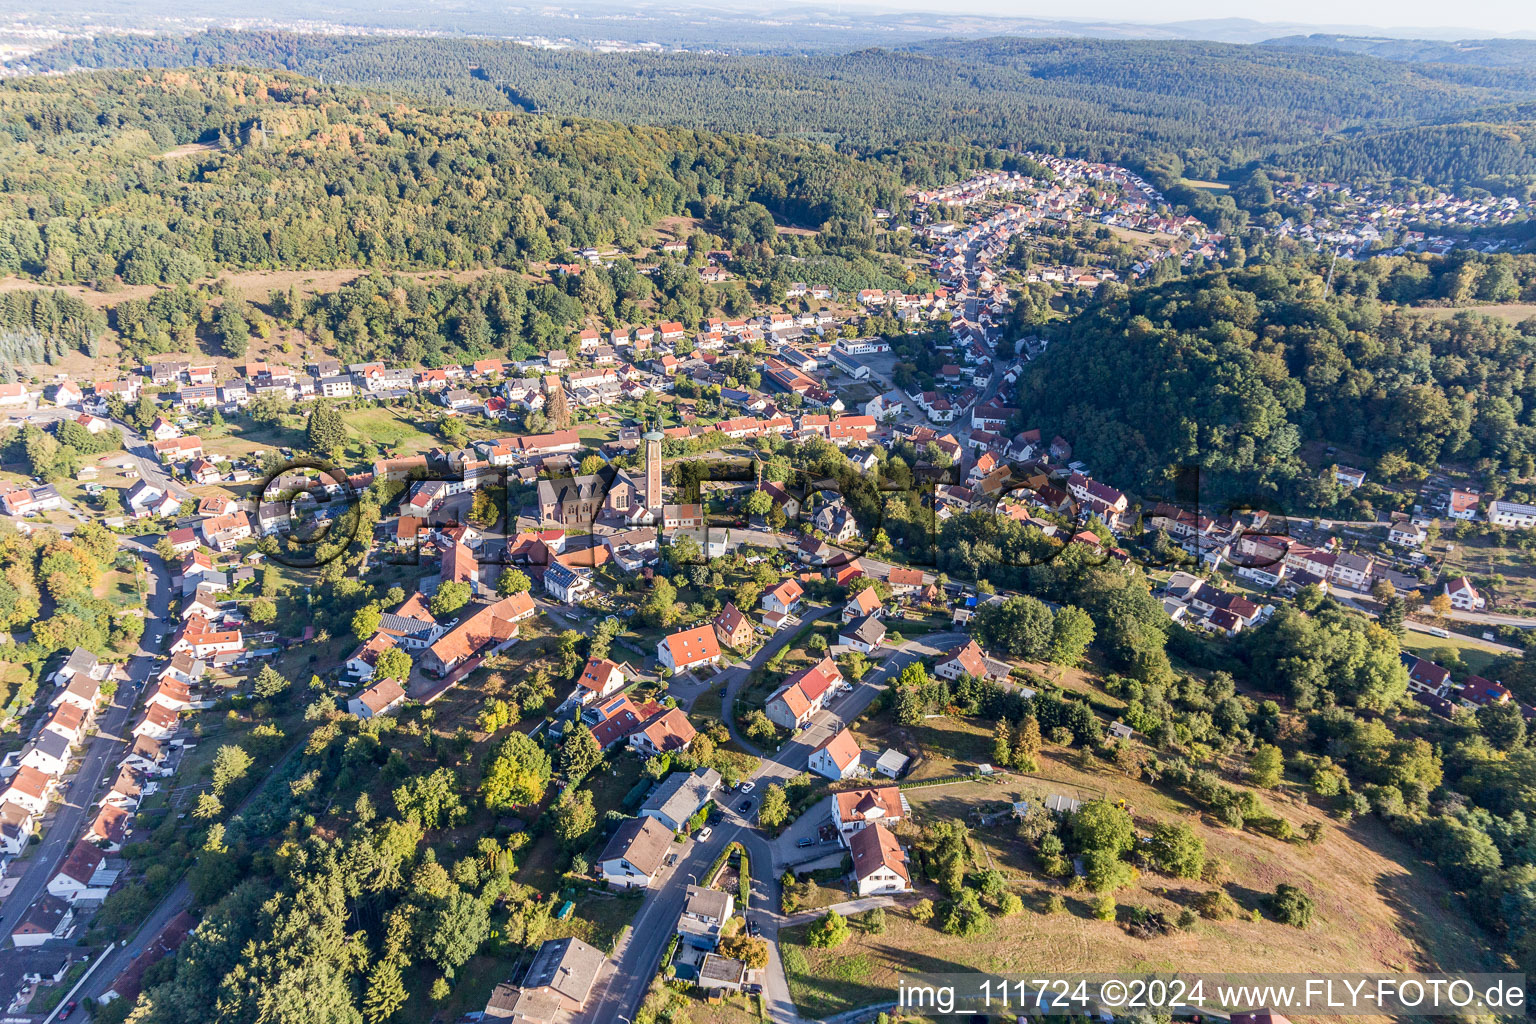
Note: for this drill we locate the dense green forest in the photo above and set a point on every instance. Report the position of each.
(1212, 108)
(310, 176)
(1234, 371)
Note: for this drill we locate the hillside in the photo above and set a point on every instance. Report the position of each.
(1235, 371)
(101, 179)
(1216, 107)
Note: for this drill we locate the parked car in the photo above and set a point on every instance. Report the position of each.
(807, 841)
(704, 834)
(746, 787)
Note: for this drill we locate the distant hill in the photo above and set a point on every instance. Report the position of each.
(1487, 53)
(1205, 109)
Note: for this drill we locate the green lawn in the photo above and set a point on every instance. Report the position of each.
(389, 427)
(1475, 656)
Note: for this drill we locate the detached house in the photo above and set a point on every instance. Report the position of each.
(733, 628)
(879, 864)
(689, 648)
(784, 598)
(634, 856)
(865, 602)
(379, 699)
(28, 789)
(837, 758)
(599, 678)
(663, 733)
(83, 875)
(1464, 596)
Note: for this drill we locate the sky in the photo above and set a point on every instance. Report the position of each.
(1487, 17)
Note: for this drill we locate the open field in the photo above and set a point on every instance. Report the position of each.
(1477, 555)
(388, 426)
(1514, 312)
(1475, 656)
(1377, 906)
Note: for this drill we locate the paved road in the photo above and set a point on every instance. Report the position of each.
(105, 748)
(622, 987)
(135, 446)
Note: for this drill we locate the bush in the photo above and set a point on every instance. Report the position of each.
(829, 932)
(1216, 905)
(1055, 903)
(873, 921)
(1291, 906)
(922, 911)
(1103, 908)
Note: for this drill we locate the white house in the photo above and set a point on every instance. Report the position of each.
(1464, 596)
(28, 789)
(857, 809)
(784, 598)
(83, 875)
(379, 699)
(634, 856)
(879, 864)
(599, 678)
(1511, 514)
(837, 758)
(689, 648)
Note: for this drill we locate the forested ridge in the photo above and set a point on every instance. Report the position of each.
(311, 176)
(1234, 370)
(1216, 108)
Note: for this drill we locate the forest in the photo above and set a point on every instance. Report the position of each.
(299, 175)
(1204, 108)
(1234, 371)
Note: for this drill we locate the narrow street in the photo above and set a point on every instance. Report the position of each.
(68, 821)
(622, 987)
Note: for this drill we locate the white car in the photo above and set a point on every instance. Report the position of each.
(746, 787)
(704, 834)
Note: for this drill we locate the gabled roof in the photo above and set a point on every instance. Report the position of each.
(382, 695)
(970, 657)
(669, 730)
(874, 848)
(865, 601)
(787, 593)
(641, 841)
(82, 862)
(868, 630)
(597, 674)
(842, 748)
(691, 646)
(881, 801)
(730, 619)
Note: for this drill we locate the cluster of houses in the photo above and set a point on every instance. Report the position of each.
(1358, 221)
(1431, 685)
(35, 776)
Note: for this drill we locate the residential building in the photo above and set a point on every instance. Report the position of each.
(663, 733)
(1511, 514)
(599, 678)
(865, 602)
(679, 796)
(83, 875)
(689, 649)
(1463, 504)
(794, 704)
(28, 789)
(1464, 596)
(47, 918)
(565, 584)
(784, 598)
(379, 699)
(732, 628)
(864, 634)
(856, 809)
(879, 864)
(837, 758)
(559, 981)
(704, 914)
(634, 856)
(489, 629)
